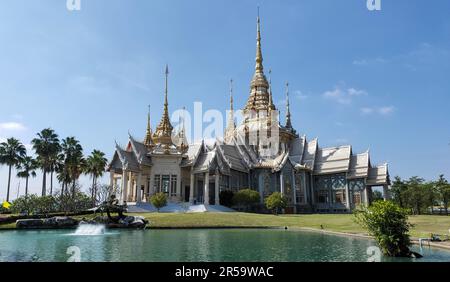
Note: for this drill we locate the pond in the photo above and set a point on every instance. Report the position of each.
(217, 245)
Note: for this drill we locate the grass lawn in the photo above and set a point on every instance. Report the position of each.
(423, 224)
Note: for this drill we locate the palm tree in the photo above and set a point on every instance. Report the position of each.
(27, 168)
(74, 161)
(95, 166)
(11, 153)
(46, 146)
(53, 165)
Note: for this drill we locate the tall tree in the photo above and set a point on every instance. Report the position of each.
(416, 194)
(443, 189)
(95, 166)
(398, 191)
(74, 161)
(11, 153)
(46, 146)
(27, 168)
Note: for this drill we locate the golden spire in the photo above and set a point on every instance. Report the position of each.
(231, 124)
(148, 141)
(259, 87)
(271, 105)
(163, 133)
(259, 59)
(288, 112)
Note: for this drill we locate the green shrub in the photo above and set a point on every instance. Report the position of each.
(275, 202)
(159, 200)
(25, 204)
(226, 198)
(246, 198)
(388, 223)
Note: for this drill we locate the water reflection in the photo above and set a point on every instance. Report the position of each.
(193, 245)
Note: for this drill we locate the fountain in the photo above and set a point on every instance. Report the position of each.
(90, 230)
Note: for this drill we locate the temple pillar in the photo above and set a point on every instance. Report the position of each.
(216, 188)
(191, 189)
(138, 188)
(281, 184)
(179, 187)
(366, 196)
(294, 189)
(305, 191)
(111, 181)
(124, 186)
(206, 189)
(151, 188)
(130, 187)
(146, 189)
(347, 196)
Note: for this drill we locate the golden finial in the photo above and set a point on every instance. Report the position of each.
(288, 112)
(148, 141)
(231, 94)
(259, 58)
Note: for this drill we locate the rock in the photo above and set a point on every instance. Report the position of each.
(53, 222)
(29, 223)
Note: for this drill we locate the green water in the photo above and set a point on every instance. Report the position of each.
(192, 245)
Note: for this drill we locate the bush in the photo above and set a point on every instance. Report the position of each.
(159, 200)
(388, 223)
(246, 198)
(45, 205)
(226, 198)
(25, 204)
(275, 202)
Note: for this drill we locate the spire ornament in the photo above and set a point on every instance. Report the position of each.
(259, 86)
(148, 140)
(163, 133)
(288, 111)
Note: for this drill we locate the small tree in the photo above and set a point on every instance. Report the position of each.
(246, 198)
(159, 200)
(275, 202)
(46, 204)
(388, 223)
(26, 204)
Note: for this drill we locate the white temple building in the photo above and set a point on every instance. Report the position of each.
(313, 179)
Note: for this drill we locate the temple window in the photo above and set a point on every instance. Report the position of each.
(300, 190)
(165, 184)
(173, 185)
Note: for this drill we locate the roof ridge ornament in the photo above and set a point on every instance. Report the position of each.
(148, 140)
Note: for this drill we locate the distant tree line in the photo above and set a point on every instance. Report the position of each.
(52, 156)
(419, 196)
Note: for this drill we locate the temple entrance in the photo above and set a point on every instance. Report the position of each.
(187, 191)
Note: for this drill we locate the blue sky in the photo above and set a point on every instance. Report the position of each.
(374, 79)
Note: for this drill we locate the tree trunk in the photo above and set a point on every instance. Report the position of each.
(26, 186)
(9, 183)
(93, 191)
(51, 182)
(44, 182)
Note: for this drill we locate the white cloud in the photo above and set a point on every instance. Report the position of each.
(300, 95)
(344, 96)
(366, 62)
(12, 126)
(384, 111)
